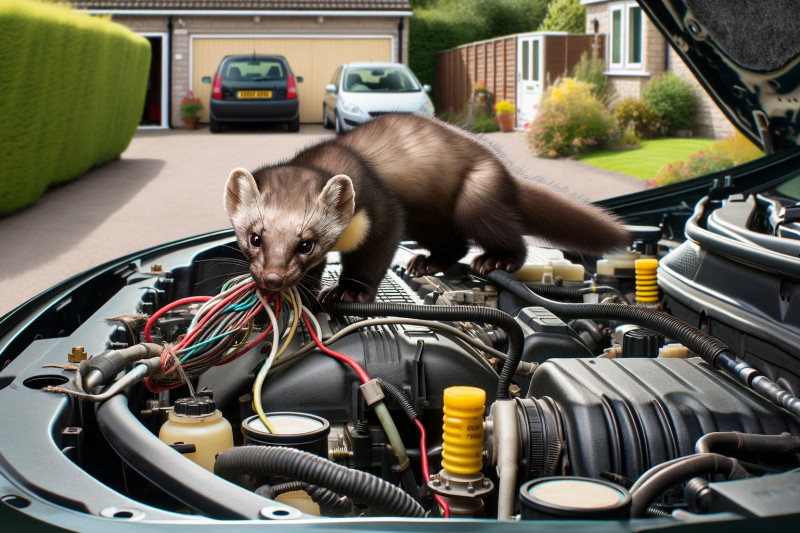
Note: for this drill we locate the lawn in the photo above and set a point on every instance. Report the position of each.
(646, 161)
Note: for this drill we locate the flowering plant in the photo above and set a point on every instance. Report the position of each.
(503, 106)
(190, 105)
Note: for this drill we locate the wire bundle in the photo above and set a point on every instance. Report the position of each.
(219, 333)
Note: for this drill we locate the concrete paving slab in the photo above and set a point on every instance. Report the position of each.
(168, 185)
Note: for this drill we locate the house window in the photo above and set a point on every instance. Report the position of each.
(626, 37)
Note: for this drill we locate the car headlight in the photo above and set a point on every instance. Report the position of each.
(427, 108)
(351, 108)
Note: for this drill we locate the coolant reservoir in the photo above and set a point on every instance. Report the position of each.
(197, 421)
(544, 264)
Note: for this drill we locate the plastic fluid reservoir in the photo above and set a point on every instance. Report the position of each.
(197, 421)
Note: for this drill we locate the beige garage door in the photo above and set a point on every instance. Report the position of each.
(313, 59)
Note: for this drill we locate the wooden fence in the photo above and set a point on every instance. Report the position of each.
(494, 62)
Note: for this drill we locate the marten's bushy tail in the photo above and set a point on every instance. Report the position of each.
(568, 223)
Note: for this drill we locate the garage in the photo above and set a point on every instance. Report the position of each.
(312, 58)
(190, 37)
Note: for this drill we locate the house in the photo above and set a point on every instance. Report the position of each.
(517, 68)
(190, 37)
(635, 52)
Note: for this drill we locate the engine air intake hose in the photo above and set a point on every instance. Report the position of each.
(381, 496)
(712, 350)
(451, 313)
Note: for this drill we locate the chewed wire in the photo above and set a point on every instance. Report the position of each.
(219, 332)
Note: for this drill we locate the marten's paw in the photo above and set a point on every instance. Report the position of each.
(423, 265)
(347, 292)
(485, 263)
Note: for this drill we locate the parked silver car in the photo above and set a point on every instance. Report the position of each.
(359, 92)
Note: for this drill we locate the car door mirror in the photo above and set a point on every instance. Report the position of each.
(330, 88)
(206, 79)
(426, 88)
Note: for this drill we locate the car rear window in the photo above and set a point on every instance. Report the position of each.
(384, 79)
(254, 70)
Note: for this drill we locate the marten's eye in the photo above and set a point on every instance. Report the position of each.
(255, 240)
(305, 247)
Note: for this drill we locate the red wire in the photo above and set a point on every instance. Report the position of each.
(423, 446)
(169, 307)
(355, 366)
(192, 334)
(365, 378)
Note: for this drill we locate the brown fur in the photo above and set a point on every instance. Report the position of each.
(447, 186)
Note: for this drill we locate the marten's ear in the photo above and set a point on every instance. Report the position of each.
(240, 190)
(338, 197)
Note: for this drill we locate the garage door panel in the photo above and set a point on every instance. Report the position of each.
(312, 59)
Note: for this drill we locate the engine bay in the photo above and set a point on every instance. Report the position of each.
(648, 385)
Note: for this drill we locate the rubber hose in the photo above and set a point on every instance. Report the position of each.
(698, 465)
(328, 500)
(697, 341)
(382, 497)
(734, 442)
(400, 398)
(712, 350)
(556, 291)
(449, 313)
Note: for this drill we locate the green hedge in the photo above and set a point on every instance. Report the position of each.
(71, 96)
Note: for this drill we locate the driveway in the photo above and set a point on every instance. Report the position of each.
(168, 185)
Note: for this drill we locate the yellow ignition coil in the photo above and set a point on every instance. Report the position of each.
(646, 281)
(461, 481)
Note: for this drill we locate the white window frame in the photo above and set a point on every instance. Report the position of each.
(625, 64)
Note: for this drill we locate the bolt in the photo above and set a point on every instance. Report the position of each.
(77, 354)
(470, 488)
(485, 482)
(155, 269)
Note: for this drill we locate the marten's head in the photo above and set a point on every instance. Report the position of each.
(287, 220)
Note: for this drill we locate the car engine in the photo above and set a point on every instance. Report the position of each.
(650, 385)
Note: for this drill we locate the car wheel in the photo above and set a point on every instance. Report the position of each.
(214, 126)
(338, 121)
(326, 123)
(294, 125)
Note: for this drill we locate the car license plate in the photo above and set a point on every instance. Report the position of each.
(253, 94)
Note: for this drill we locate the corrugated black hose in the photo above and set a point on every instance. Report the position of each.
(450, 313)
(712, 350)
(381, 496)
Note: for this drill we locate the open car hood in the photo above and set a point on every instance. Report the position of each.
(756, 80)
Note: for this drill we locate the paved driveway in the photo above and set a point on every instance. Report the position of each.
(168, 185)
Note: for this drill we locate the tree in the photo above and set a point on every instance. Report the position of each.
(565, 15)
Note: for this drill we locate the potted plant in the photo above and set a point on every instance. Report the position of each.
(504, 113)
(190, 106)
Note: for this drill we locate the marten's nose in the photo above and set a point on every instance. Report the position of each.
(273, 281)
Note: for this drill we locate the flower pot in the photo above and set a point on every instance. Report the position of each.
(506, 121)
(190, 122)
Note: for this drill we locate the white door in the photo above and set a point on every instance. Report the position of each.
(530, 71)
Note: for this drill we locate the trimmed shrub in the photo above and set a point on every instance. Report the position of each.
(484, 124)
(73, 89)
(571, 120)
(672, 99)
(726, 153)
(638, 116)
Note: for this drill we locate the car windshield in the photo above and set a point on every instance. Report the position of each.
(382, 80)
(253, 70)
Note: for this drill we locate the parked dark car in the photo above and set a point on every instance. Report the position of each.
(254, 89)
(546, 405)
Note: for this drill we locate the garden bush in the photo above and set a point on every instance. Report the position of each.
(672, 99)
(592, 70)
(571, 120)
(638, 116)
(73, 89)
(726, 153)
